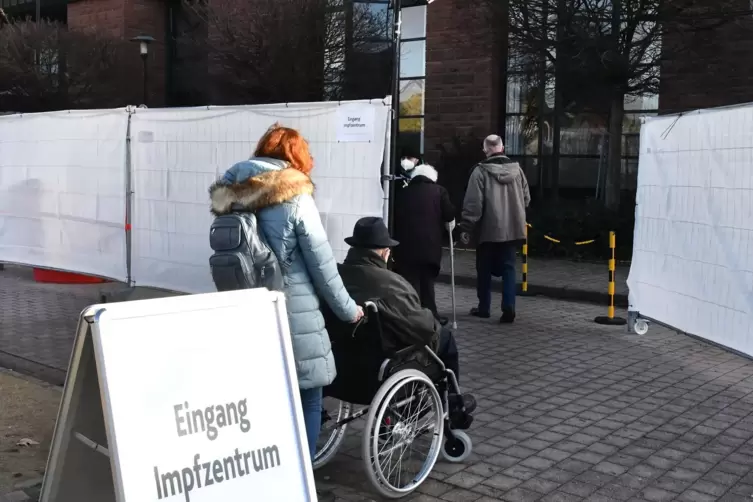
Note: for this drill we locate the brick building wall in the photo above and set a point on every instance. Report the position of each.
(127, 19)
(709, 68)
(462, 75)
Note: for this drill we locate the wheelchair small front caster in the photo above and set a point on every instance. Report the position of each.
(457, 449)
(640, 327)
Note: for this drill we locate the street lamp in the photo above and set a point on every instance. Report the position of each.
(144, 41)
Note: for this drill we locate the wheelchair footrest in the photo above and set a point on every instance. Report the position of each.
(460, 420)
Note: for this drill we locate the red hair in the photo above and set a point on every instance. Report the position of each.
(284, 143)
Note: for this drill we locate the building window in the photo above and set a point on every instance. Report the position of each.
(357, 59)
(582, 125)
(412, 80)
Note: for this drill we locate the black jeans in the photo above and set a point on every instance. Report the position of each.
(448, 351)
(422, 278)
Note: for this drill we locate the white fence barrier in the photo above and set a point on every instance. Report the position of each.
(692, 265)
(62, 191)
(175, 154)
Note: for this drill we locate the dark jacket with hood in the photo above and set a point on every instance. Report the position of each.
(496, 201)
(421, 210)
(404, 321)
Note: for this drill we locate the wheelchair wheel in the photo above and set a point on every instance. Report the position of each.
(403, 434)
(331, 436)
(458, 448)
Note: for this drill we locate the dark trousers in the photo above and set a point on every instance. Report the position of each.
(448, 351)
(496, 259)
(422, 278)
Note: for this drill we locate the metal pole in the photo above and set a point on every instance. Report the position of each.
(129, 204)
(541, 99)
(524, 285)
(396, 18)
(610, 319)
(612, 263)
(386, 174)
(452, 280)
(143, 59)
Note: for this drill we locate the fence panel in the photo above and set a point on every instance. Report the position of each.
(62, 191)
(178, 153)
(692, 262)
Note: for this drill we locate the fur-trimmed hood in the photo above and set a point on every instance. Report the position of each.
(266, 189)
(424, 170)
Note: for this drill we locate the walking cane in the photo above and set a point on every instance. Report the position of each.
(450, 228)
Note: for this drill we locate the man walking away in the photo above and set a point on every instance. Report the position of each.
(422, 210)
(494, 209)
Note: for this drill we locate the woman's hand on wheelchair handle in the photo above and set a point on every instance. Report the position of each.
(359, 315)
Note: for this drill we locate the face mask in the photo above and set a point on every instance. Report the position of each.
(407, 164)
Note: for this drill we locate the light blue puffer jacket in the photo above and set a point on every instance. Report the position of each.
(284, 204)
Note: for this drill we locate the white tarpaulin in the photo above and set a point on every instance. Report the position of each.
(692, 263)
(178, 153)
(62, 191)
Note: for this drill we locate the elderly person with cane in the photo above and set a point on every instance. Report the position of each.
(422, 211)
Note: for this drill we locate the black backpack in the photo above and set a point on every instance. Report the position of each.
(242, 258)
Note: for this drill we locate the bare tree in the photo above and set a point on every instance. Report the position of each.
(44, 66)
(599, 52)
(282, 50)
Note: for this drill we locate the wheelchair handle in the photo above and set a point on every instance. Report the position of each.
(370, 306)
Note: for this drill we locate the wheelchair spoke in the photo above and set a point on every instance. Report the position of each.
(403, 446)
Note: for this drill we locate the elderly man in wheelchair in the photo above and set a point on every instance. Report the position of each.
(400, 366)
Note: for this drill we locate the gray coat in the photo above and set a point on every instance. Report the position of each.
(496, 201)
(284, 204)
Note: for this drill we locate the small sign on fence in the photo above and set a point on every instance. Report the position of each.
(192, 398)
(355, 123)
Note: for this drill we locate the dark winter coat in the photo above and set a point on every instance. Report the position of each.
(421, 211)
(404, 321)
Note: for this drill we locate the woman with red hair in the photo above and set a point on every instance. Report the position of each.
(275, 184)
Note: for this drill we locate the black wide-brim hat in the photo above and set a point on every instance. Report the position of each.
(371, 233)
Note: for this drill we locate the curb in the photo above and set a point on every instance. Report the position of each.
(557, 293)
(27, 491)
(24, 366)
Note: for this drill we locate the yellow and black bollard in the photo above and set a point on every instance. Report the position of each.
(524, 286)
(610, 319)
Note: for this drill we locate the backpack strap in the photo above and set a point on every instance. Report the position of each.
(235, 207)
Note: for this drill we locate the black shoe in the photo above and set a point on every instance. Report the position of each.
(458, 402)
(469, 403)
(475, 312)
(443, 321)
(461, 407)
(508, 316)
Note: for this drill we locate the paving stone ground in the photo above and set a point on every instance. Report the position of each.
(568, 410)
(38, 321)
(573, 411)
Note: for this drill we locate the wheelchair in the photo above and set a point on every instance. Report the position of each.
(406, 404)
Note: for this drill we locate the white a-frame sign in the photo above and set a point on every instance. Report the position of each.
(189, 398)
